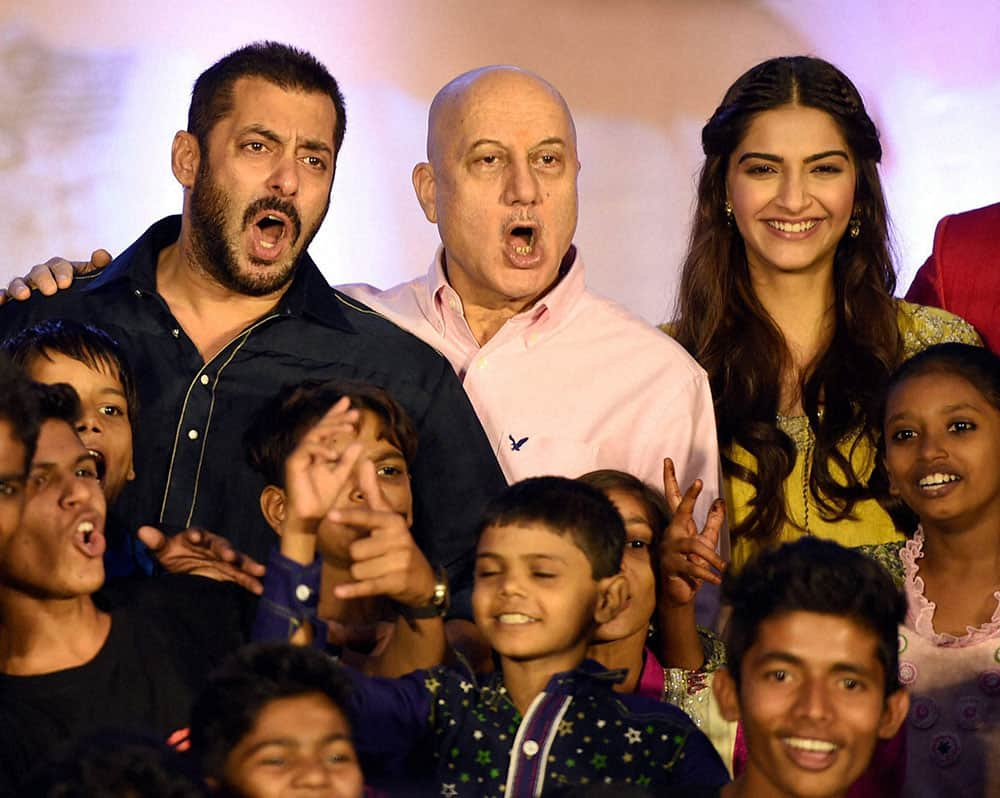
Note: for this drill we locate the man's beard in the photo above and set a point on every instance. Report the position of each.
(210, 207)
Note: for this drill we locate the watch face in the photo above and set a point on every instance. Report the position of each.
(440, 594)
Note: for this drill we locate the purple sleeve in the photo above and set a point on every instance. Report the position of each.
(291, 593)
(390, 716)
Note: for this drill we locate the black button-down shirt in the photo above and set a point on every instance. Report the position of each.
(190, 464)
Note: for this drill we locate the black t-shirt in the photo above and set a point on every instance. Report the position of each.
(166, 635)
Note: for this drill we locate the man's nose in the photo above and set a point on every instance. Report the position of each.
(814, 701)
(284, 179)
(521, 183)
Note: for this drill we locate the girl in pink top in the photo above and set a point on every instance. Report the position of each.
(942, 456)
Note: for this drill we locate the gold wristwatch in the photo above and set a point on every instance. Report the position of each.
(438, 605)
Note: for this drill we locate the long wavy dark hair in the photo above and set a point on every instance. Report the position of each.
(724, 326)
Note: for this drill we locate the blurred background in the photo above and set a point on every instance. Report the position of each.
(94, 90)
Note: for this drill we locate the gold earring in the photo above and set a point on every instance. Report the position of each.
(728, 207)
(854, 227)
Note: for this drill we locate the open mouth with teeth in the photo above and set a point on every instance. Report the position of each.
(88, 539)
(523, 240)
(938, 480)
(811, 753)
(99, 461)
(515, 618)
(792, 227)
(271, 232)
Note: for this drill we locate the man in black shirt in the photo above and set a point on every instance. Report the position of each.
(222, 306)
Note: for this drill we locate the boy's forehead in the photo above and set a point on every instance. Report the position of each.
(47, 365)
(527, 538)
(816, 640)
(375, 428)
(58, 443)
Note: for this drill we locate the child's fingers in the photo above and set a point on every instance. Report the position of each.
(713, 523)
(698, 551)
(671, 490)
(364, 517)
(368, 480)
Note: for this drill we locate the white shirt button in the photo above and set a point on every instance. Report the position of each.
(193, 434)
(530, 748)
(204, 379)
(302, 593)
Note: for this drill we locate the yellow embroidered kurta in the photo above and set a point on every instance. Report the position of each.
(921, 327)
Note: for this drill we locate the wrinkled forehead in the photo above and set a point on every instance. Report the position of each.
(496, 102)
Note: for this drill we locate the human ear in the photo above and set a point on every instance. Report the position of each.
(724, 687)
(611, 599)
(272, 505)
(896, 707)
(426, 187)
(185, 155)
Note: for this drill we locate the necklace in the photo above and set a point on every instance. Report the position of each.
(797, 428)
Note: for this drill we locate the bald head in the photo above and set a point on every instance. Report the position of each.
(500, 184)
(451, 103)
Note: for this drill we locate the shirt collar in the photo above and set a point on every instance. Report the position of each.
(555, 305)
(309, 295)
(584, 678)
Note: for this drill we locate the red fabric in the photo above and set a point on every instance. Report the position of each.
(962, 275)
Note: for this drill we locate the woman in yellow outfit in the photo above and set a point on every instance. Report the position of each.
(786, 300)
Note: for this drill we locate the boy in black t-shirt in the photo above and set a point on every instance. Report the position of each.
(69, 664)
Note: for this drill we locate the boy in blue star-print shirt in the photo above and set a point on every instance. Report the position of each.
(547, 574)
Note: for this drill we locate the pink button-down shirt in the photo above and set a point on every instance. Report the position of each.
(574, 384)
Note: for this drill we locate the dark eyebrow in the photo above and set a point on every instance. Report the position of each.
(46, 466)
(947, 409)
(819, 156)
(790, 659)
(315, 145)
(14, 477)
(780, 656)
(289, 742)
(766, 156)
(263, 132)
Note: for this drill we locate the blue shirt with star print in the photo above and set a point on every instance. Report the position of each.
(464, 736)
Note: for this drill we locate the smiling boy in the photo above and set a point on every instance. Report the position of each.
(271, 723)
(812, 673)
(547, 574)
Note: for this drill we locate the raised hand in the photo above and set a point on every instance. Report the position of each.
(197, 551)
(316, 472)
(54, 275)
(687, 557)
(385, 559)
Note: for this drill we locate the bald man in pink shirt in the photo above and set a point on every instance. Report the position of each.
(564, 381)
